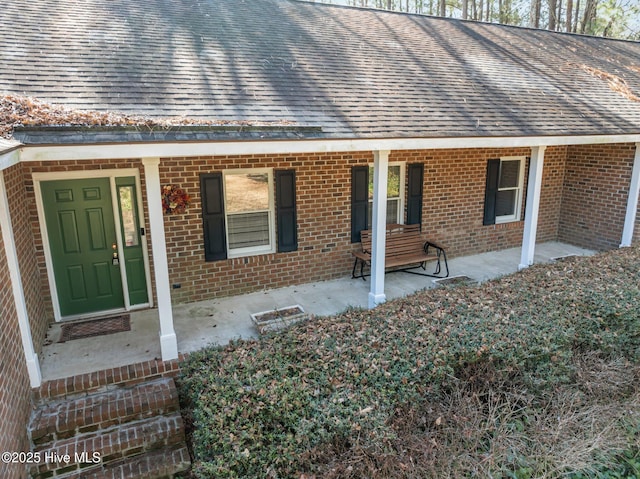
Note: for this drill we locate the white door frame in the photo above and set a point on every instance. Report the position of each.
(87, 175)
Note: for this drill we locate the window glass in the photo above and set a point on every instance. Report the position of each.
(393, 195)
(129, 220)
(247, 208)
(246, 192)
(509, 173)
(509, 195)
(506, 202)
(393, 182)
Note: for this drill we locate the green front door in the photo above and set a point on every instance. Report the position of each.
(82, 241)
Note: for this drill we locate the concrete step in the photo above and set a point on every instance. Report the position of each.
(61, 419)
(111, 448)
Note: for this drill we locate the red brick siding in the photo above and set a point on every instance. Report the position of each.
(23, 235)
(454, 185)
(596, 189)
(15, 404)
(454, 188)
(453, 197)
(323, 210)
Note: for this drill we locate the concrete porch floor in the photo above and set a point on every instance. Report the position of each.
(220, 320)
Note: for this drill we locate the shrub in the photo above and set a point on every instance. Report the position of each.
(477, 375)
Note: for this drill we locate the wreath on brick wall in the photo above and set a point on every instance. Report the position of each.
(174, 200)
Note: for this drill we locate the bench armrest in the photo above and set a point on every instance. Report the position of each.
(431, 244)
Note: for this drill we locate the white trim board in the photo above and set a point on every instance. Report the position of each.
(187, 149)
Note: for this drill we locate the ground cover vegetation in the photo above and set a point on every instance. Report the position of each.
(536, 374)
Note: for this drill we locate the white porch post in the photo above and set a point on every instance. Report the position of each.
(33, 365)
(168, 340)
(379, 226)
(534, 186)
(632, 201)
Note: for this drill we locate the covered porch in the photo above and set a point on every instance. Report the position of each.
(218, 321)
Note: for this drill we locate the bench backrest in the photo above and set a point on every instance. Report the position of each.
(400, 240)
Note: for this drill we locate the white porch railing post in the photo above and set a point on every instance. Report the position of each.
(632, 201)
(379, 226)
(534, 186)
(168, 340)
(33, 365)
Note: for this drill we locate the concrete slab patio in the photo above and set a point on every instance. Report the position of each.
(220, 320)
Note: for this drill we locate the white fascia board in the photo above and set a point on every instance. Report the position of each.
(9, 158)
(177, 149)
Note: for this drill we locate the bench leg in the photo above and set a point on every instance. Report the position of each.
(442, 255)
(355, 264)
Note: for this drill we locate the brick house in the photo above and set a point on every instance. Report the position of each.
(301, 125)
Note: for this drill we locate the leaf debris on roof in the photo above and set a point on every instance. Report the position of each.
(616, 83)
(21, 111)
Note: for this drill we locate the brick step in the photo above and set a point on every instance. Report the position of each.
(160, 463)
(66, 418)
(101, 381)
(63, 457)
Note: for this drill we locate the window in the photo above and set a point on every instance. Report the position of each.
(362, 196)
(249, 211)
(503, 195)
(129, 219)
(395, 184)
(239, 212)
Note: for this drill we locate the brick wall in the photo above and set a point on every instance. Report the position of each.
(454, 189)
(15, 404)
(595, 194)
(27, 258)
(323, 210)
(454, 185)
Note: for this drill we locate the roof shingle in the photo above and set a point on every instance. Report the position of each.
(354, 72)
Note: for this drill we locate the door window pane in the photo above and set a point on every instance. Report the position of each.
(128, 211)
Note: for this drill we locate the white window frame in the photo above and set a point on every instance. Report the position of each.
(252, 250)
(519, 189)
(400, 211)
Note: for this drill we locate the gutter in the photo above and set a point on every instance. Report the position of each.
(164, 149)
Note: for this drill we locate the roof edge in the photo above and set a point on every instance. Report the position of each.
(264, 146)
(463, 20)
(93, 135)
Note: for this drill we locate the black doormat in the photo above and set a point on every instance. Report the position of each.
(95, 327)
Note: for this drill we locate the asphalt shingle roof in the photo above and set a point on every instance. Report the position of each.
(354, 72)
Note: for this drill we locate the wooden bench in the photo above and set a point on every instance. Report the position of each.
(404, 247)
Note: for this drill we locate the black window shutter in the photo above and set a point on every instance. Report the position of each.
(359, 201)
(414, 195)
(215, 238)
(286, 210)
(491, 191)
